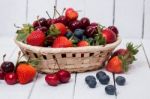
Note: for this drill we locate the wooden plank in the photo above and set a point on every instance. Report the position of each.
(147, 48)
(137, 78)
(42, 89)
(128, 18)
(100, 11)
(147, 20)
(16, 91)
(136, 86)
(12, 12)
(82, 91)
(39, 8)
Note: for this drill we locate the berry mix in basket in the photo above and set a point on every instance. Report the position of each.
(66, 31)
(69, 31)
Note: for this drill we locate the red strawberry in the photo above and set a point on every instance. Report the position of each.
(25, 73)
(109, 35)
(62, 42)
(36, 38)
(115, 65)
(61, 27)
(83, 43)
(71, 14)
(122, 58)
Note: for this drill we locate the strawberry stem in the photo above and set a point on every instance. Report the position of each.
(114, 83)
(48, 15)
(4, 57)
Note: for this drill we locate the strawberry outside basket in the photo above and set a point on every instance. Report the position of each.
(73, 59)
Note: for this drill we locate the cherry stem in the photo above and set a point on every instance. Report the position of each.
(63, 11)
(54, 12)
(38, 21)
(57, 11)
(16, 26)
(114, 83)
(48, 15)
(4, 57)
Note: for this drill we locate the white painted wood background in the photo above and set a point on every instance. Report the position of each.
(132, 17)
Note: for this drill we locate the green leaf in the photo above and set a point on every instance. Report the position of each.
(22, 37)
(53, 31)
(24, 32)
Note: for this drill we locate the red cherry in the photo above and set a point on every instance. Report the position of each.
(7, 67)
(120, 52)
(94, 24)
(114, 29)
(74, 25)
(109, 35)
(52, 79)
(11, 78)
(64, 76)
(51, 21)
(84, 22)
(91, 31)
(2, 75)
(62, 19)
(43, 29)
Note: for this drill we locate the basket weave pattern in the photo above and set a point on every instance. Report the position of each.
(76, 59)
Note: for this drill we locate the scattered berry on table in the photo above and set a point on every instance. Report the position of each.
(110, 89)
(120, 80)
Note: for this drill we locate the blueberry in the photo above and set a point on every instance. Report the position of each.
(120, 80)
(88, 78)
(69, 34)
(79, 33)
(99, 74)
(104, 79)
(92, 83)
(110, 89)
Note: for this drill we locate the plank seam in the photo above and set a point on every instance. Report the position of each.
(146, 55)
(74, 88)
(30, 93)
(143, 20)
(27, 8)
(114, 11)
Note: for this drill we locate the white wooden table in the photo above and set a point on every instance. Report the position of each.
(132, 17)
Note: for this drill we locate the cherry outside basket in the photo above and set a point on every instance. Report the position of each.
(73, 59)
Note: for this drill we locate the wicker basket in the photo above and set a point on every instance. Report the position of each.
(73, 59)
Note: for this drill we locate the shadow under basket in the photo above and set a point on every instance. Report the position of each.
(73, 59)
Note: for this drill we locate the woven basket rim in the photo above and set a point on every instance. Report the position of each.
(45, 50)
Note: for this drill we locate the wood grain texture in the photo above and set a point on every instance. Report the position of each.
(16, 91)
(128, 18)
(42, 89)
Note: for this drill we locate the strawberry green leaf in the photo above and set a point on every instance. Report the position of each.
(24, 32)
(53, 31)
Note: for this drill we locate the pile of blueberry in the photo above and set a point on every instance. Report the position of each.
(104, 79)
